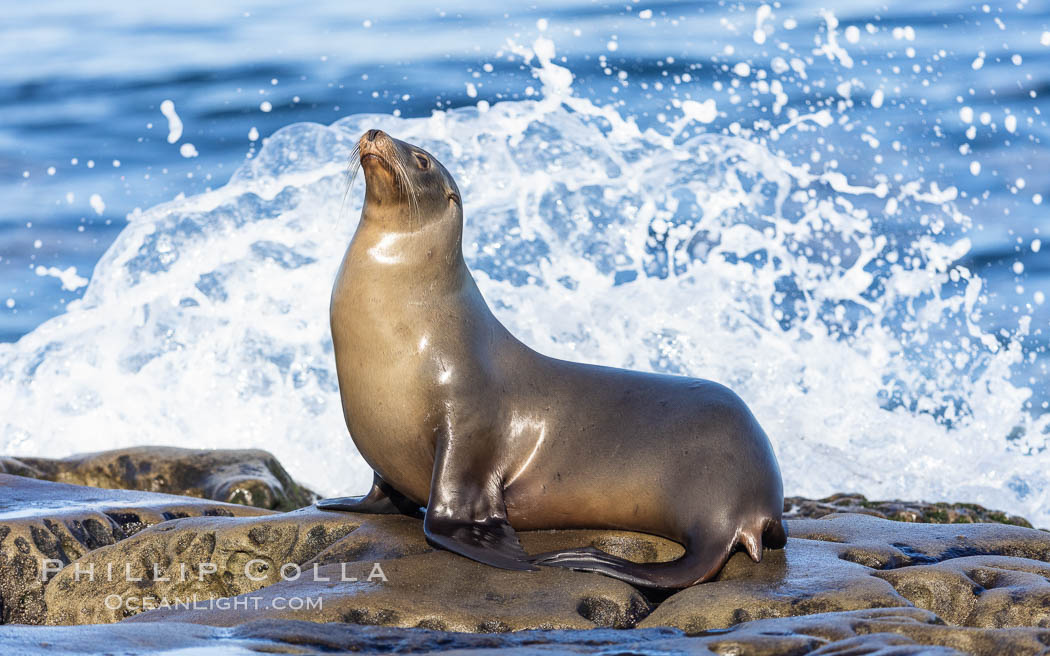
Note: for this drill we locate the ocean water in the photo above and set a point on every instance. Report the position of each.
(841, 214)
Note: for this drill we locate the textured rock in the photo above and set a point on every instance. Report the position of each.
(901, 511)
(195, 558)
(248, 477)
(985, 591)
(886, 544)
(437, 590)
(886, 632)
(423, 587)
(833, 564)
(42, 521)
(845, 584)
(18, 468)
(806, 577)
(840, 563)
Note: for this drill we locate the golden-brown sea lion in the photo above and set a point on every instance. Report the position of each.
(455, 414)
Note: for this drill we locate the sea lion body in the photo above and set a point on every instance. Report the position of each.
(454, 413)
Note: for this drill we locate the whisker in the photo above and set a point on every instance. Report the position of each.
(406, 187)
(352, 169)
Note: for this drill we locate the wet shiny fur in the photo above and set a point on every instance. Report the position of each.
(453, 413)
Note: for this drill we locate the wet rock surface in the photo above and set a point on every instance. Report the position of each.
(203, 574)
(55, 524)
(437, 590)
(249, 477)
(886, 632)
(846, 562)
(196, 558)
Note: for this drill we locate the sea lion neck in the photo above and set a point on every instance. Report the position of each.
(431, 250)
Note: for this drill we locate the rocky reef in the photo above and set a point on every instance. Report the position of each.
(91, 570)
(248, 477)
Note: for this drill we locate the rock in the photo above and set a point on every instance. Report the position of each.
(806, 577)
(884, 544)
(639, 547)
(437, 590)
(984, 591)
(376, 538)
(194, 558)
(424, 587)
(840, 563)
(18, 468)
(248, 477)
(41, 521)
(846, 583)
(888, 632)
(831, 564)
(901, 511)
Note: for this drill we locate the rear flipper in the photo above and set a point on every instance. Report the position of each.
(693, 567)
(382, 499)
(702, 561)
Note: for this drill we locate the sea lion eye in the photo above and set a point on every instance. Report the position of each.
(423, 161)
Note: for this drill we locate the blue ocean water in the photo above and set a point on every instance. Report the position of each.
(842, 213)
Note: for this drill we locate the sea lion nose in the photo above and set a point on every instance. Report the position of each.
(372, 134)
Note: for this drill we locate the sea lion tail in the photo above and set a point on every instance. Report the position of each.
(771, 534)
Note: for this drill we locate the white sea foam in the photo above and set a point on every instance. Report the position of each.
(167, 107)
(206, 322)
(68, 276)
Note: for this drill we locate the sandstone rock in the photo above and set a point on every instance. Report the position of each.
(901, 511)
(841, 563)
(984, 591)
(886, 632)
(248, 477)
(806, 577)
(847, 583)
(41, 521)
(437, 590)
(830, 565)
(18, 468)
(378, 537)
(885, 544)
(639, 547)
(200, 557)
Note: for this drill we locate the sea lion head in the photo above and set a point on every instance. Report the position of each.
(405, 186)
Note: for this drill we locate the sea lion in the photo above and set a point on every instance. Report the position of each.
(455, 414)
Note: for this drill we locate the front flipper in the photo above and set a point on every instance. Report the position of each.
(466, 513)
(382, 499)
(490, 541)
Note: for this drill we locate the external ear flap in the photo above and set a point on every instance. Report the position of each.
(423, 161)
(454, 197)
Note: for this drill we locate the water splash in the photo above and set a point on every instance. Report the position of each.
(859, 348)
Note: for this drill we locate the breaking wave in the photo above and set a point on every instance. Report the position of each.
(668, 249)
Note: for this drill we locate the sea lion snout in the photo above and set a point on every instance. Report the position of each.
(376, 143)
(378, 156)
